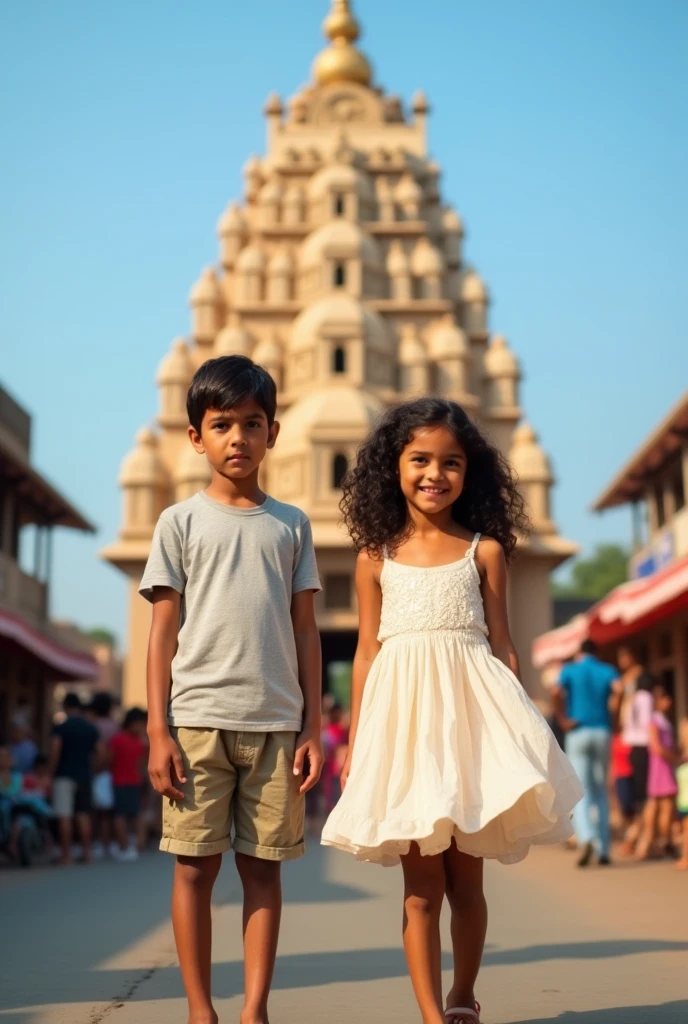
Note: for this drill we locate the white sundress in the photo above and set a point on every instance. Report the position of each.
(449, 745)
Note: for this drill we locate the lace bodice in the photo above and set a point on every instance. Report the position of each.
(444, 597)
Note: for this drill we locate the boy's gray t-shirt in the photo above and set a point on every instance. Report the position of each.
(236, 569)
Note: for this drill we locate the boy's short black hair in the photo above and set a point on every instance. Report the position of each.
(588, 647)
(134, 715)
(226, 382)
(73, 701)
(101, 705)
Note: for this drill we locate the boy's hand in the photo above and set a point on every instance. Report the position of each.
(308, 745)
(165, 766)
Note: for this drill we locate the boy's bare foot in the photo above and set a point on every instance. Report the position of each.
(681, 865)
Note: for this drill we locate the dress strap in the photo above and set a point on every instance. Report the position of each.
(474, 545)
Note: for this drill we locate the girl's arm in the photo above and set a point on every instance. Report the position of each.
(369, 606)
(491, 561)
(165, 765)
(666, 753)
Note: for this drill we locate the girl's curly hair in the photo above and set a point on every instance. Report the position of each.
(373, 505)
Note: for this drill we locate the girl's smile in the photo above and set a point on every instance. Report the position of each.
(432, 470)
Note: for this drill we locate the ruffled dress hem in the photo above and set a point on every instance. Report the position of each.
(386, 842)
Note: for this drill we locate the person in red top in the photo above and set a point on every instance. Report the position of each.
(128, 757)
(622, 773)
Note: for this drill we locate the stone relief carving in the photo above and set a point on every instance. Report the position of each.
(346, 105)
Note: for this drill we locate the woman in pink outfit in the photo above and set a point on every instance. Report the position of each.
(661, 777)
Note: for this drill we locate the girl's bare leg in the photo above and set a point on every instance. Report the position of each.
(194, 878)
(647, 835)
(262, 884)
(468, 922)
(424, 885)
(682, 864)
(665, 820)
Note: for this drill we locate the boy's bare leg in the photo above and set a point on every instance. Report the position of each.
(141, 830)
(194, 878)
(85, 829)
(64, 826)
(121, 832)
(262, 884)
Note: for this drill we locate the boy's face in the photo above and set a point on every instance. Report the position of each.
(235, 441)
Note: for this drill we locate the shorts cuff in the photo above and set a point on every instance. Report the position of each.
(184, 849)
(278, 853)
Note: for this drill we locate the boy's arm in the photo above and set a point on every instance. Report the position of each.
(309, 658)
(55, 752)
(165, 765)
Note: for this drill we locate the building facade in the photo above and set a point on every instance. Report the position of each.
(33, 653)
(342, 271)
(650, 612)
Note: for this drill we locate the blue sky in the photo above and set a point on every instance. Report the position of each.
(561, 129)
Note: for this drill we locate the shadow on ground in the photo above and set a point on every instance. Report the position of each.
(580, 951)
(665, 1013)
(308, 970)
(75, 918)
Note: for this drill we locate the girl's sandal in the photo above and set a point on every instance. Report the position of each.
(463, 1014)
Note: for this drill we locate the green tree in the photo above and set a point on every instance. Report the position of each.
(594, 577)
(100, 635)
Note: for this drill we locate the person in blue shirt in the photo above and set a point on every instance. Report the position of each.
(582, 704)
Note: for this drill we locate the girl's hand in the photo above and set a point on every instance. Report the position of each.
(309, 745)
(346, 768)
(165, 766)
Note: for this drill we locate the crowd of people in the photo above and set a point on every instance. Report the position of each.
(617, 724)
(88, 792)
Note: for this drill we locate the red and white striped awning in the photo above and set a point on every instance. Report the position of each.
(70, 664)
(626, 610)
(561, 643)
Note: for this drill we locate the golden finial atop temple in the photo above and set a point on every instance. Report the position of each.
(341, 61)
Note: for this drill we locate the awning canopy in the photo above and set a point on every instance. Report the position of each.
(630, 484)
(67, 662)
(626, 610)
(43, 503)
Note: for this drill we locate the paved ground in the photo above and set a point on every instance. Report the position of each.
(92, 945)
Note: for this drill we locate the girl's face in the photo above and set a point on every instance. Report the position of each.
(432, 470)
(662, 701)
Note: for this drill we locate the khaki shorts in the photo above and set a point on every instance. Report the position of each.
(244, 779)
(70, 797)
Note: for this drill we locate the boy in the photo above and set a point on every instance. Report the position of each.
(232, 576)
(75, 751)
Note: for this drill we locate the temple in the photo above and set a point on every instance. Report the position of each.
(342, 271)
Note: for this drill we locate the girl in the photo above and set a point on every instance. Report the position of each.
(661, 777)
(633, 706)
(450, 760)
